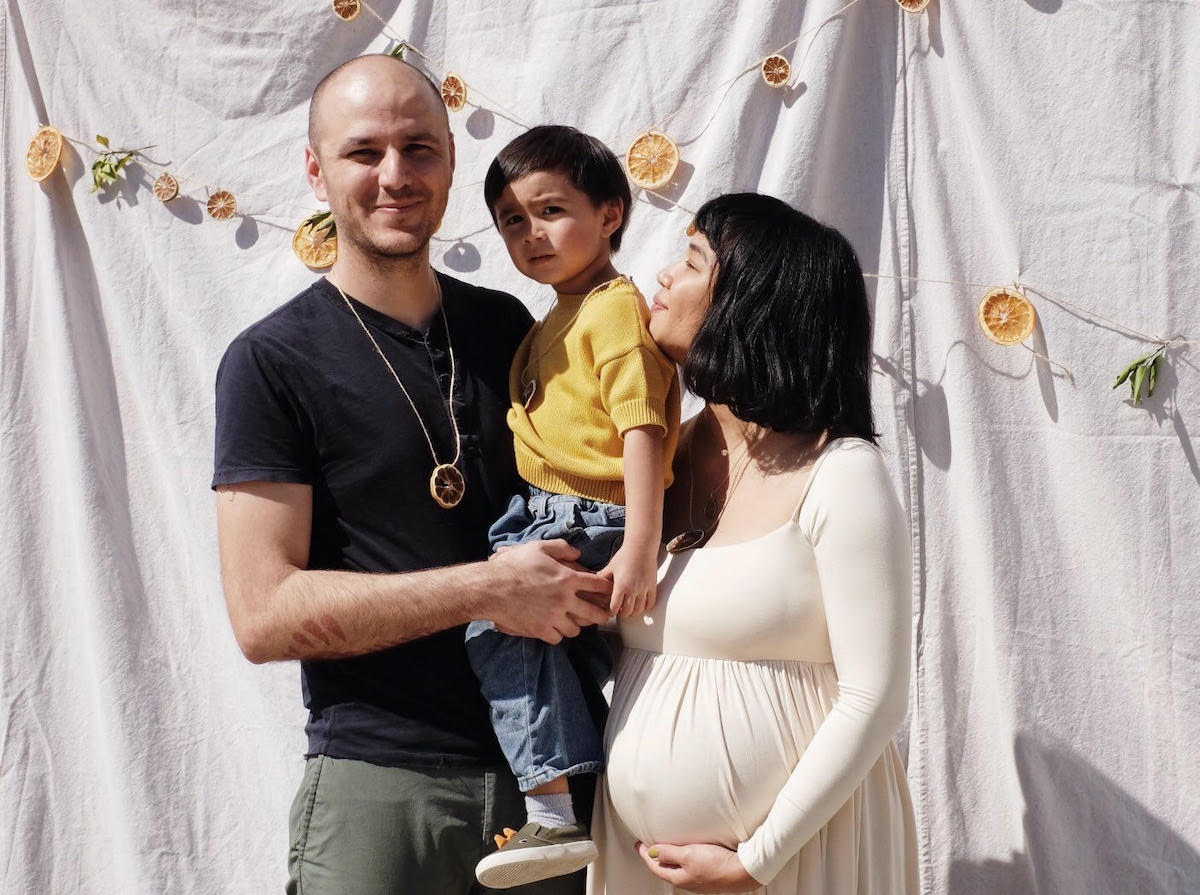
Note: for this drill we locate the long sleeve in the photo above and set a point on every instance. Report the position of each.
(860, 539)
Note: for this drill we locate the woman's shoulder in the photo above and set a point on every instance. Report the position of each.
(851, 450)
(850, 471)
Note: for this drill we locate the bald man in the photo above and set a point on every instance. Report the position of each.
(361, 454)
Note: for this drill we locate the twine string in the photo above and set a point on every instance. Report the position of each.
(439, 65)
(755, 65)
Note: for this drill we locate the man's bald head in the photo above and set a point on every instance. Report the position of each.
(373, 63)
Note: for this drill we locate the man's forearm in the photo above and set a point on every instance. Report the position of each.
(327, 614)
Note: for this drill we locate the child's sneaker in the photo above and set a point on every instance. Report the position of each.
(535, 852)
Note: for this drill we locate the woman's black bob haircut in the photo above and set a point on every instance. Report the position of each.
(786, 342)
(584, 160)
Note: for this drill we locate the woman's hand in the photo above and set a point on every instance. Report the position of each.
(699, 868)
(633, 571)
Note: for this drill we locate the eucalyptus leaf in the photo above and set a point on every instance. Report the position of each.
(103, 141)
(1127, 371)
(1139, 379)
(322, 222)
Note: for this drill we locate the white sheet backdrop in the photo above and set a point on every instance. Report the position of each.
(1055, 717)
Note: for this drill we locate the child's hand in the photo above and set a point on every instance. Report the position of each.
(634, 574)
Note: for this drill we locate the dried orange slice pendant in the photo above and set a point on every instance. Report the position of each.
(913, 5)
(166, 187)
(651, 160)
(447, 485)
(347, 10)
(776, 70)
(454, 92)
(1007, 316)
(222, 205)
(45, 149)
(316, 247)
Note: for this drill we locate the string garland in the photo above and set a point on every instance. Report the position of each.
(1006, 315)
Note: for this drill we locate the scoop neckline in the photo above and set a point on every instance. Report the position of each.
(787, 523)
(794, 519)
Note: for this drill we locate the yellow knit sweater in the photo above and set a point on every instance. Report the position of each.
(598, 374)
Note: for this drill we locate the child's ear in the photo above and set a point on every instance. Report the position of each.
(612, 214)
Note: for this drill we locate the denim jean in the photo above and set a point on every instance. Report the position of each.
(538, 707)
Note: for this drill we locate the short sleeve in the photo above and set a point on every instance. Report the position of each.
(262, 432)
(635, 377)
(634, 390)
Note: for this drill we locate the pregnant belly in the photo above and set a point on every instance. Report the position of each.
(698, 749)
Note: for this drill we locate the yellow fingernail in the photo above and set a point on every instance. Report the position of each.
(653, 851)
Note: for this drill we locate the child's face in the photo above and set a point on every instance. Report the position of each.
(555, 234)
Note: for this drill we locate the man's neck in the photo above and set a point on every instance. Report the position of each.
(404, 289)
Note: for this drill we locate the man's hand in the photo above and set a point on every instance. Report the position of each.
(633, 571)
(699, 868)
(538, 593)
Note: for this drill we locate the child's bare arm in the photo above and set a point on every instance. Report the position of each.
(634, 568)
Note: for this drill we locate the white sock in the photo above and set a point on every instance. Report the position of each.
(551, 810)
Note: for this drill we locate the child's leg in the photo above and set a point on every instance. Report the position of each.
(538, 707)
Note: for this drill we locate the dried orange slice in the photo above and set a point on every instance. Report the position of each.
(316, 246)
(776, 70)
(652, 160)
(221, 205)
(166, 187)
(347, 10)
(913, 5)
(1006, 316)
(45, 149)
(454, 92)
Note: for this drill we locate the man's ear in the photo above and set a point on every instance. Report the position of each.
(612, 213)
(312, 169)
(452, 153)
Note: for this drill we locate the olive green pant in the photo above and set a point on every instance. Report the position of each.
(361, 829)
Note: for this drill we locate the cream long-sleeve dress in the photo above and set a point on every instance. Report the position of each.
(755, 706)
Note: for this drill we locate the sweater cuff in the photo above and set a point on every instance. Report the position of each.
(639, 412)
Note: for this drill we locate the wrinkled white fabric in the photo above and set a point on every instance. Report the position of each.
(1054, 703)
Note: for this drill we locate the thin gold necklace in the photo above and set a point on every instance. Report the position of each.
(693, 537)
(446, 483)
(529, 385)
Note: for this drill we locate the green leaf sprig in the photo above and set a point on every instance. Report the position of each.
(1143, 372)
(322, 222)
(397, 52)
(108, 167)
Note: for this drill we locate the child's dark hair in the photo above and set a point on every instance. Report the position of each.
(584, 160)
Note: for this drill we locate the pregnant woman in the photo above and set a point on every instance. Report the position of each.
(749, 745)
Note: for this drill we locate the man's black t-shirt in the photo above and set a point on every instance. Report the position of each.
(302, 396)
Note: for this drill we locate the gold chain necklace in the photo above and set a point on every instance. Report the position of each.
(446, 483)
(529, 385)
(694, 537)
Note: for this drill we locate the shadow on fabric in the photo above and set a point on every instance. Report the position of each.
(1083, 834)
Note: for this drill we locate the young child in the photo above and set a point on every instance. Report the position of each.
(595, 420)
